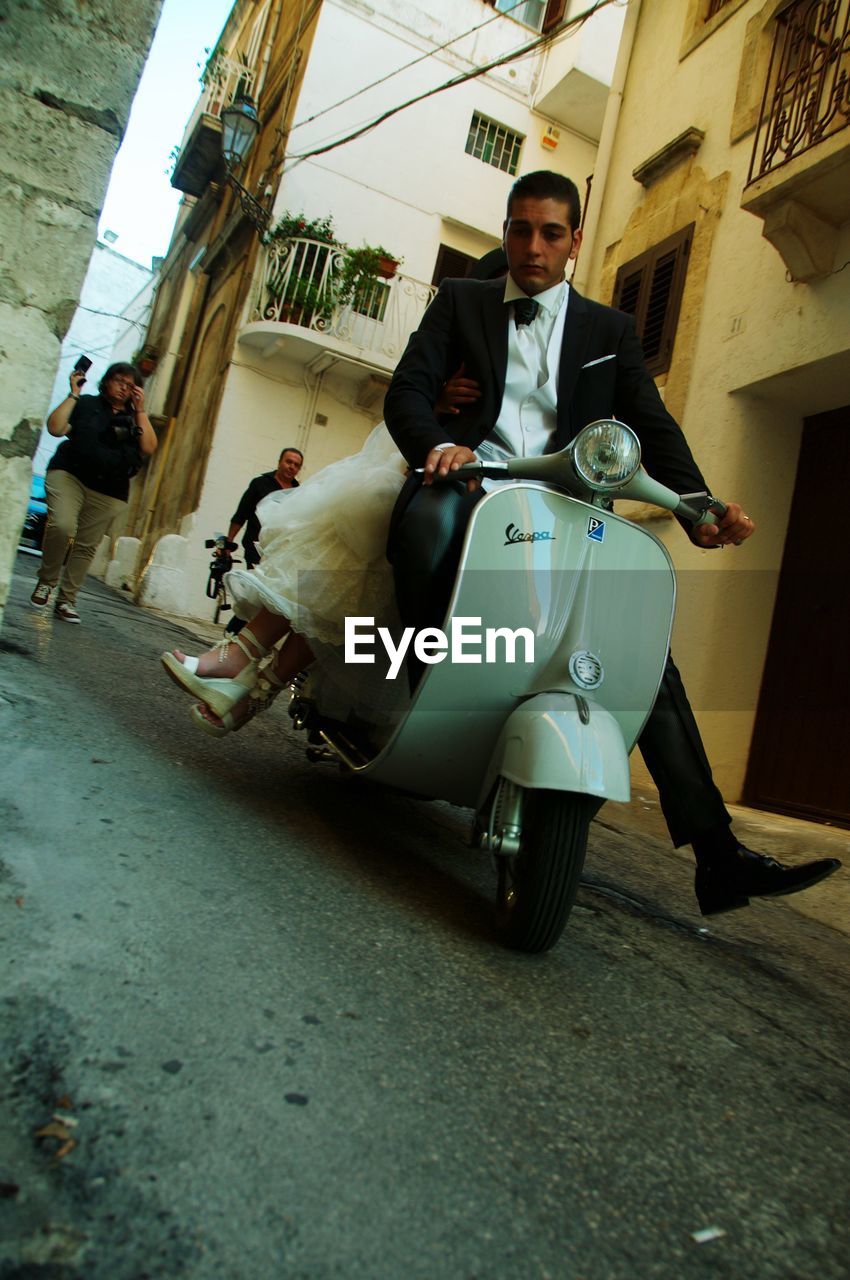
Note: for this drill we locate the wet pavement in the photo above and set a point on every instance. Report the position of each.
(255, 1022)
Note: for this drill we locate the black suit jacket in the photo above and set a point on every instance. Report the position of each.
(602, 374)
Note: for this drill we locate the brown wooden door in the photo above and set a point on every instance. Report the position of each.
(800, 758)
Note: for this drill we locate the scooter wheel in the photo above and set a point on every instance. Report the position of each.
(537, 886)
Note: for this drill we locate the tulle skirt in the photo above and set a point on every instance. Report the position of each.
(323, 548)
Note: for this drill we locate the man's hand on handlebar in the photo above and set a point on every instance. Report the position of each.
(441, 462)
(734, 526)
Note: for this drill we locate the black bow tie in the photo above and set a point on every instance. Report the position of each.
(525, 309)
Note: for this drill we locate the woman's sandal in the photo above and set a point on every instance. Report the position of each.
(258, 699)
(220, 694)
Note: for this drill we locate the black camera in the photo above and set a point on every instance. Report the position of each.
(125, 427)
(82, 366)
(220, 564)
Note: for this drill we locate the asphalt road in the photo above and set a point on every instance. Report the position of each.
(268, 1009)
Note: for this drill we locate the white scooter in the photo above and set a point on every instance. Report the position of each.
(573, 605)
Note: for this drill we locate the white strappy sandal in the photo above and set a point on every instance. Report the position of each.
(220, 694)
(258, 699)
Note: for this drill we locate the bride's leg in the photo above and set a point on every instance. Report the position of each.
(275, 675)
(295, 656)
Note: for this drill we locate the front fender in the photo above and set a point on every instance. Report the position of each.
(546, 744)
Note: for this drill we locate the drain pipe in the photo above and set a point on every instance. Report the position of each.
(271, 28)
(313, 390)
(606, 142)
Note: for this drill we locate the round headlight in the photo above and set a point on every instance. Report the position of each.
(606, 454)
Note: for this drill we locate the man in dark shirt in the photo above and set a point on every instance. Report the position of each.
(289, 464)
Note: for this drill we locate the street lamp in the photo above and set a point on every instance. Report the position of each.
(239, 128)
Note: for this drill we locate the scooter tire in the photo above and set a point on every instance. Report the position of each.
(538, 885)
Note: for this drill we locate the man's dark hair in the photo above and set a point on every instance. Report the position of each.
(291, 449)
(116, 371)
(543, 184)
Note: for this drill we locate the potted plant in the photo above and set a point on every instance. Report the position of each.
(364, 270)
(389, 263)
(146, 359)
(297, 226)
(304, 302)
(299, 281)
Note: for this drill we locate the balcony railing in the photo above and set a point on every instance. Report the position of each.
(224, 80)
(807, 94)
(200, 151)
(303, 285)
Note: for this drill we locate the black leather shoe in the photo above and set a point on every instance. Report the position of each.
(735, 877)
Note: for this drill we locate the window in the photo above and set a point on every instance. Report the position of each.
(529, 12)
(650, 289)
(704, 17)
(494, 144)
(452, 264)
(542, 15)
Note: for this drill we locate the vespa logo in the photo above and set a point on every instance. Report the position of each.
(513, 534)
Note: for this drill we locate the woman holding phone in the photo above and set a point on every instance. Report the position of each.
(108, 437)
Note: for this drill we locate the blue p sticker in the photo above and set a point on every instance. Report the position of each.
(595, 529)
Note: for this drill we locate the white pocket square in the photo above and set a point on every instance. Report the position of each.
(599, 360)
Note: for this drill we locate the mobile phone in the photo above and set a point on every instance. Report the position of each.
(82, 366)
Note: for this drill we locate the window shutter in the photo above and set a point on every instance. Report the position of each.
(649, 288)
(628, 292)
(658, 300)
(554, 15)
(452, 264)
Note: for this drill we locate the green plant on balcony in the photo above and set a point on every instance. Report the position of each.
(300, 283)
(297, 226)
(363, 279)
(302, 301)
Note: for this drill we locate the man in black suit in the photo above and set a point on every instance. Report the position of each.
(547, 362)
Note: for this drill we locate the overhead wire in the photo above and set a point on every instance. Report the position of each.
(429, 53)
(514, 55)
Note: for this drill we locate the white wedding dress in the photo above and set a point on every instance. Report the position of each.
(323, 548)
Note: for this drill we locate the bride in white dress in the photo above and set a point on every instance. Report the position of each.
(323, 549)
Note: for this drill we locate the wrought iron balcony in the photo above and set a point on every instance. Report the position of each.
(224, 80)
(200, 151)
(807, 95)
(304, 292)
(799, 176)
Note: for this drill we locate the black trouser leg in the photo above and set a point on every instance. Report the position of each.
(672, 748)
(426, 541)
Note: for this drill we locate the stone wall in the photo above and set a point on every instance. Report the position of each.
(69, 71)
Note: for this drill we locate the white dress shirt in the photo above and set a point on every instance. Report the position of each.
(528, 412)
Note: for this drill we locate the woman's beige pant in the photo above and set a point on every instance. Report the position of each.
(77, 519)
